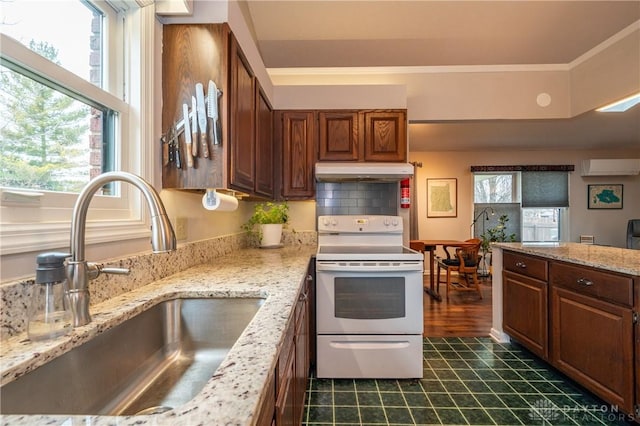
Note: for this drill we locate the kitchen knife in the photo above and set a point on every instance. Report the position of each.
(212, 110)
(202, 119)
(187, 134)
(194, 127)
(176, 147)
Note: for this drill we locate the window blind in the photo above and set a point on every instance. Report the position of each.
(545, 189)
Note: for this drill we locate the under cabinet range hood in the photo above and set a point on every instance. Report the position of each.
(363, 172)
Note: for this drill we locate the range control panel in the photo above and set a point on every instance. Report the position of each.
(366, 224)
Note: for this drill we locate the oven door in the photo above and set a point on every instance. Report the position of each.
(369, 297)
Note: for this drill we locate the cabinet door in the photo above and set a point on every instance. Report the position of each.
(385, 136)
(592, 342)
(285, 414)
(193, 54)
(298, 154)
(266, 412)
(242, 121)
(524, 311)
(301, 351)
(264, 145)
(338, 138)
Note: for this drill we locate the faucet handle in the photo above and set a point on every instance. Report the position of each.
(95, 269)
(115, 271)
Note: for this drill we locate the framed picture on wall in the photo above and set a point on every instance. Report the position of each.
(604, 196)
(442, 197)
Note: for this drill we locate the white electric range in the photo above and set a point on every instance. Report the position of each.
(368, 299)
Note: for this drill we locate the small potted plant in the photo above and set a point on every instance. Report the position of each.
(495, 234)
(266, 223)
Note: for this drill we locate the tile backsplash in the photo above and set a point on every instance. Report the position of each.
(337, 198)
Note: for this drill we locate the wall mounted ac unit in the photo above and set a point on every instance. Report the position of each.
(611, 167)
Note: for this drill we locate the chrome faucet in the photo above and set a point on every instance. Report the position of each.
(79, 271)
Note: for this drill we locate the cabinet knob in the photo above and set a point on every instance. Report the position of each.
(521, 265)
(585, 282)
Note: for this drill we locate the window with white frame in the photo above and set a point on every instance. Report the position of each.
(530, 205)
(66, 97)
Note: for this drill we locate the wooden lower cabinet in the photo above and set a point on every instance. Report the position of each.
(265, 415)
(592, 329)
(285, 404)
(581, 319)
(592, 342)
(292, 372)
(525, 301)
(525, 316)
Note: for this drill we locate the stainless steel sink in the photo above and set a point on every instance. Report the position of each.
(153, 362)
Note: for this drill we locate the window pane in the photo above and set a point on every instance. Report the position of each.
(48, 140)
(540, 224)
(487, 217)
(495, 188)
(75, 44)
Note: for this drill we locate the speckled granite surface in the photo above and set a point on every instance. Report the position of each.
(15, 296)
(235, 391)
(608, 258)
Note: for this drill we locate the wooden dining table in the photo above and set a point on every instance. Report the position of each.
(430, 246)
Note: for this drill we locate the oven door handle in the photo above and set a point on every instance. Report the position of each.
(370, 345)
(368, 266)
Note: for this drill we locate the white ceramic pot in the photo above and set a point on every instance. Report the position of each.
(271, 234)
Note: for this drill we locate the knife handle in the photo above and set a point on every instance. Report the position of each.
(218, 130)
(205, 146)
(189, 156)
(194, 147)
(178, 156)
(165, 153)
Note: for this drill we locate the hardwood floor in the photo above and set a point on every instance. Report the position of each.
(464, 315)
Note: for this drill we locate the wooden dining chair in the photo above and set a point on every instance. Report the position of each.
(465, 262)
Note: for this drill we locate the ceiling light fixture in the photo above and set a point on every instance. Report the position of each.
(621, 105)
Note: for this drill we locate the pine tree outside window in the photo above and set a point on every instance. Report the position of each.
(64, 118)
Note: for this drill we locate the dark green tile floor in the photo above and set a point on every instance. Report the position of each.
(467, 381)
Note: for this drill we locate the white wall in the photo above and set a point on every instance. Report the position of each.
(607, 226)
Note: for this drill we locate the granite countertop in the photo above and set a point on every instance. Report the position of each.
(234, 393)
(625, 261)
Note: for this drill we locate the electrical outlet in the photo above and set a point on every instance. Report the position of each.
(181, 228)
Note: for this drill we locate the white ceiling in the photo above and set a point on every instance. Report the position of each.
(361, 33)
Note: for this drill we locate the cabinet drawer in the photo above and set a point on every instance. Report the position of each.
(526, 265)
(591, 282)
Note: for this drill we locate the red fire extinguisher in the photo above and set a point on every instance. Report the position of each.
(405, 194)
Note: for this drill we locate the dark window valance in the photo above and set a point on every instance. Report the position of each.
(525, 168)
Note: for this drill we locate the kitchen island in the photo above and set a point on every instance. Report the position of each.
(235, 394)
(575, 306)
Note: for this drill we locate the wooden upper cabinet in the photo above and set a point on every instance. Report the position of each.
(193, 54)
(264, 176)
(242, 118)
(298, 144)
(362, 135)
(338, 138)
(385, 136)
